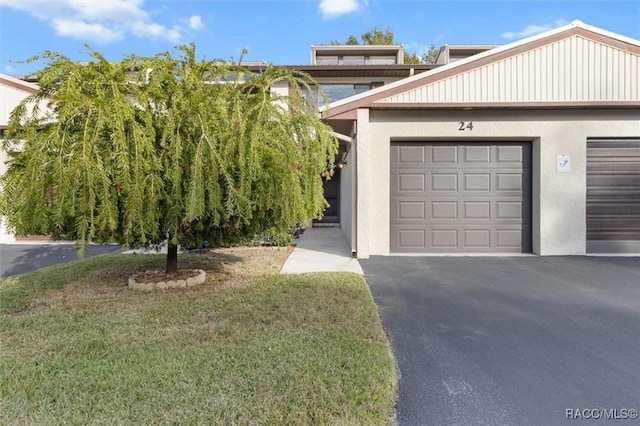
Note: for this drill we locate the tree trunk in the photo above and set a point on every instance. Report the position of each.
(172, 258)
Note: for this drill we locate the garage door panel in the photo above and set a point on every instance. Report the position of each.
(509, 238)
(477, 238)
(411, 210)
(476, 199)
(477, 154)
(508, 181)
(444, 182)
(509, 210)
(411, 182)
(509, 154)
(477, 210)
(444, 210)
(477, 181)
(411, 155)
(411, 239)
(613, 196)
(444, 155)
(444, 238)
(622, 207)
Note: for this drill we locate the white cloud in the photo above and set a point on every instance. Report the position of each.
(334, 8)
(195, 22)
(156, 31)
(103, 21)
(9, 69)
(533, 29)
(85, 31)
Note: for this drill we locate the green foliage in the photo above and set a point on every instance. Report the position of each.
(352, 40)
(431, 55)
(412, 58)
(377, 36)
(150, 148)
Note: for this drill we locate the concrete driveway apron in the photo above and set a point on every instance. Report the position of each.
(512, 340)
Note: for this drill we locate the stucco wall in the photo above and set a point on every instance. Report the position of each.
(346, 197)
(559, 199)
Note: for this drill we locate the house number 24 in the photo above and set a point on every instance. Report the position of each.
(464, 125)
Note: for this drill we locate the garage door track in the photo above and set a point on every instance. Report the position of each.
(512, 340)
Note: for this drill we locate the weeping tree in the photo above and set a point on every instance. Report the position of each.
(164, 149)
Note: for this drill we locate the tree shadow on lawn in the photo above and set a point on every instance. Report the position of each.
(103, 277)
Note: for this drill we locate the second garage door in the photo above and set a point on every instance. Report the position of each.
(460, 197)
(613, 196)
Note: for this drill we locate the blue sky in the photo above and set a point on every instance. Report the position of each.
(280, 31)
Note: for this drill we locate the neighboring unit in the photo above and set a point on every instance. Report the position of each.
(12, 92)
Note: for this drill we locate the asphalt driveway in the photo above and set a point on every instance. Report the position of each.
(512, 340)
(21, 258)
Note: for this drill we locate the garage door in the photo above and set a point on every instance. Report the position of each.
(460, 197)
(613, 196)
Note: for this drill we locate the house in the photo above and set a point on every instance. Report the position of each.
(12, 92)
(530, 147)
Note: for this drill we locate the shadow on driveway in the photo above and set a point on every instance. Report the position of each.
(511, 341)
(20, 258)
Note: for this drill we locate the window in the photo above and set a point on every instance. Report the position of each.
(353, 60)
(327, 60)
(333, 92)
(382, 60)
(360, 88)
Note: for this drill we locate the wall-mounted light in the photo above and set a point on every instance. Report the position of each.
(342, 161)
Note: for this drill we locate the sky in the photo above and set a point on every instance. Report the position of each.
(279, 31)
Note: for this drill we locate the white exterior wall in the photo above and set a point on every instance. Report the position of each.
(10, 97)
(365, 196)
(559, 199)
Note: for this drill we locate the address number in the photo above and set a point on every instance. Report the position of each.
(465, 125)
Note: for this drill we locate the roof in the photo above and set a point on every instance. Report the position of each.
(16, 83)
(375, 98)
(370, 49)
(461, 50)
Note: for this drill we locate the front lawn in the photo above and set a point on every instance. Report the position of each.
(247, 347)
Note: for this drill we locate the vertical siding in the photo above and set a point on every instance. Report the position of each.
(573, 69)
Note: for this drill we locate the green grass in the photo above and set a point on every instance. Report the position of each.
(77, 347)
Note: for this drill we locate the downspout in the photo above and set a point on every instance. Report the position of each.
(343, 138)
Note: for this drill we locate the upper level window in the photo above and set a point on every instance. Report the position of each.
(353, 60)
(327, 60)
(333, 92)
(382, 60)
(360, 88)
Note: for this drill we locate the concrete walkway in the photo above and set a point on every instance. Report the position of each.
(321, 250)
